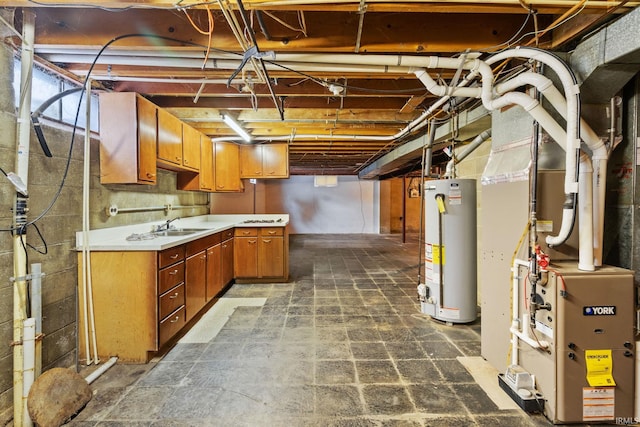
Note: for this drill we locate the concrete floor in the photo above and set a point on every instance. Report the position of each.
(342, 344)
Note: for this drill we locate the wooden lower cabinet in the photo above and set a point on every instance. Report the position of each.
(270, 256)
(195, 283)
(143, 299)
(261, 253)
(214, 271)
(226, 249)
(245, 260)
(138, 301)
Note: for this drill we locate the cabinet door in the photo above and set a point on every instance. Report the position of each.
(169, 139)
(270, 256)
(245, 260)
(275, 160)
(190, 147)
(127, 139)
(206, 163)
(227, 261)
(147, 120)
(203, 179)
(195, 283)
(227, 167)
(250, 161)
(214, 271)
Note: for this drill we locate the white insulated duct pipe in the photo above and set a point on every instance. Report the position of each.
(595, 144)
(585, 210)
(391, 63)
(572, 92)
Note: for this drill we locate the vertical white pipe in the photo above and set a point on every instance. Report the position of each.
(29, 343)
(515, 315)
(585, 209)
(86, 180)
(599, 195)
(36, 312)
(20, 417)
(86, 275)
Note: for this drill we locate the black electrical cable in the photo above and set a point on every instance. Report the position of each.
(75, 124)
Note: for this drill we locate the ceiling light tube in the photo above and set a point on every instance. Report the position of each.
(233, 124)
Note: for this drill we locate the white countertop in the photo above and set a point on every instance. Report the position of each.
(115, 238)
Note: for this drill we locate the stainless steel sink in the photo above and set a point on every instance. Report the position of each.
(178, 232)
(173, 233)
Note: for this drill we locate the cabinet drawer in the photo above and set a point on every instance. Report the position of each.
(227, 234)
(170, 256)
(170, 301)
(271, 231)
(246, 232)
(170, 277)
(171, 325)
(201, 244)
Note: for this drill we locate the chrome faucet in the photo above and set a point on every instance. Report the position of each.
(166, 225)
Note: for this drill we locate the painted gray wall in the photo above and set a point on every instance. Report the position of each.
(351, 207)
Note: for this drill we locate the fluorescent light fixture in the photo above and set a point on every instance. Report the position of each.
(233, 124)
(325, 181)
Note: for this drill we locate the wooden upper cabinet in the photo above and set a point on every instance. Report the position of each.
(190, 147)
(203, 180)
(275, 160)
(251, 161)
(169, 141)
(207, 175)
(264, 161)
(227, 167)
(127, 139)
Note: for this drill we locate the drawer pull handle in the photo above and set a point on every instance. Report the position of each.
(173, 273)
(272, 232)
(266, 240)
(174, 256)
(252, 241)
(174, 296)
(175, 320)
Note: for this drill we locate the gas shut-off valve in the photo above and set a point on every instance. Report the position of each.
(538, 277)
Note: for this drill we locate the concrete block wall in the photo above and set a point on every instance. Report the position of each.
(58, 228)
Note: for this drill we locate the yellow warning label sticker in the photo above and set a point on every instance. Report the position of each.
(437, 251)
(599, 368)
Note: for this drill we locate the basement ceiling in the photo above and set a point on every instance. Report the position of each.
(200, 59)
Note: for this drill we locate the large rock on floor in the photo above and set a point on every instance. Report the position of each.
(56, 396)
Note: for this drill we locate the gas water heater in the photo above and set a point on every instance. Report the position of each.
(449, 293)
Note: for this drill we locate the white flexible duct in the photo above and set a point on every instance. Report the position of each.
(388, 63)
(595, 144)
(572, 92)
